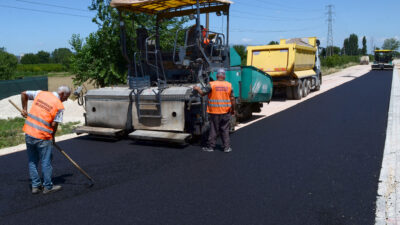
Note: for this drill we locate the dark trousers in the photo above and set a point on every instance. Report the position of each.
(219, 124)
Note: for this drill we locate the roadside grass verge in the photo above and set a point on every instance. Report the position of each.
(329, 70)
(11, 131)
(21, 74)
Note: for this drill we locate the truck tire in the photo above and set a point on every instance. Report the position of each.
(304, 88)
(289, 93)
(319, 82)
(308, 86)
(297, 91)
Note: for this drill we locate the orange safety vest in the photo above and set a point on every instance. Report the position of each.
(43, 111)
(219, 99)
(206, 41)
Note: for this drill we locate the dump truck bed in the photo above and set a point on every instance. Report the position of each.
(288, 59)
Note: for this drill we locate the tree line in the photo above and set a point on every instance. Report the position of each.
(58, 60)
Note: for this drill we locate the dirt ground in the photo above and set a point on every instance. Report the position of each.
(55, 81)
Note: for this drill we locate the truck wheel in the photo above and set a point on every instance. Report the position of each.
(297, 91)
(318, 84)
(289, 93)
(308, 86)
(304, 88)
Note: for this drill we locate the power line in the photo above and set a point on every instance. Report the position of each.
(51, 5)
(283, 9)
(329, 40)
(270, 31)
(277, 19)
(284, 5)
(44, 11)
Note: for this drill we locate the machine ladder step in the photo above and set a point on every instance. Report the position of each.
(100, 131)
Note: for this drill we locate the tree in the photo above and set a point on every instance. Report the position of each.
(273, 43)
(353, 45)
(335, 51)
(345, 49)
(364, 46)
(8, 64)
(44, 57)
(391, 44)
(99, 57)
(241, 50)
(62, 56)
(30, 58)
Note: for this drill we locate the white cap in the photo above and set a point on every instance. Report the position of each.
(221, 71)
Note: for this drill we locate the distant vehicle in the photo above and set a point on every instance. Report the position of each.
(364, 60)
(383, 60)
(294, 65)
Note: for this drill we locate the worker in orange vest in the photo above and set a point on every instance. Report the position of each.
(204, 32)
(221, 105)
(40, 128)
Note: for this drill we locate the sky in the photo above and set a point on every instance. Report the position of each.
(28, 27)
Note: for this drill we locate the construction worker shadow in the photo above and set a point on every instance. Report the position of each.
(160, 144)
(61, 179)
(97, 138)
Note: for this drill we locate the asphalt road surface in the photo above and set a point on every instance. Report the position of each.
(315, 163)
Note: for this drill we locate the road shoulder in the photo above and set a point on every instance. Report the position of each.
(388, 199)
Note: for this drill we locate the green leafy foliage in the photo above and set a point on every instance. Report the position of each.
(350, 45)
(40, 68)
(241, 50)
(30, 58)
(335, 51)
(8, 64)
(337, 60)
(273, 43)
(364, 46)
(44, 57)
(391, 44)
(62, 56)
(99, 58)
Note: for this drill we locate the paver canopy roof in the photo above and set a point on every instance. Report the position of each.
(156, 6)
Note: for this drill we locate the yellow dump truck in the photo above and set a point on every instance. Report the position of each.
(294, 65)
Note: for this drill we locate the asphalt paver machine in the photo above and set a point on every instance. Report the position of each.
(383, 59)
(159, 102)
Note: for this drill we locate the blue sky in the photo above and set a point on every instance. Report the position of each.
(28, 27)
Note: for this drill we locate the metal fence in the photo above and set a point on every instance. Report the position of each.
(13, 87)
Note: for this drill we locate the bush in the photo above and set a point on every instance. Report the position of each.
(339, 60)
(30, 58)
(8, 65)
(36, 68)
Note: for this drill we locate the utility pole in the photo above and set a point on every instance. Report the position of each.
(208, 21)
(329, 39)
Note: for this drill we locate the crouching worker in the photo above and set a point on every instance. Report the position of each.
(40, 128)
(221, 104)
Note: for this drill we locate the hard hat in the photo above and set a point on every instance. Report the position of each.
(221, 71)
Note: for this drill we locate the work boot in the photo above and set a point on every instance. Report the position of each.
(229, 149)
(208, 149)
(36, 190)
(53, 189)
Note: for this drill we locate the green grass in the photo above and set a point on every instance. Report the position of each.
(11, 133)
(329, 70)
(21, 74)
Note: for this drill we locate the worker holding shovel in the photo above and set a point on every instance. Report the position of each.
(40, 128)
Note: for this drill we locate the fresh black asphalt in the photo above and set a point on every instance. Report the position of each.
(315, 163)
